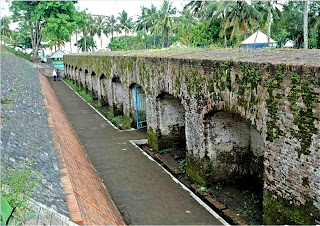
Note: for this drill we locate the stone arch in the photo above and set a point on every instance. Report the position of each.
(94, 81)
(91, 80)
(86, 80)
(118, 95)
(75, 75)
(79, 75)
(234, 148)
(170, 131)
(102, 92)
(71, 72)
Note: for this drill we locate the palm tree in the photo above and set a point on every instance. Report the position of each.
(5, 28)
(240, 17)
(166, 20)
(87, 26)
(126, 23)
(100, 27)
(198, 8)
(184, 25)
(111, 27)
(142, 22)
(152, 16)
(269, 12)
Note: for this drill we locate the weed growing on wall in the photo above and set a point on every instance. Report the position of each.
(16, 188)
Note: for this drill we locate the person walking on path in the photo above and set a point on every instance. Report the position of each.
(58, 74)
(54, 74)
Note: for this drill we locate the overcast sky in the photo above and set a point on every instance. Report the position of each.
(112, 7)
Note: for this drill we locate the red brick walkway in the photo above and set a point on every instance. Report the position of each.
(88, 201)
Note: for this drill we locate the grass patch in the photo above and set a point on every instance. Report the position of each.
(17, 186)
(26, 74)
(6, 100)
(120, 121)
(15, 52)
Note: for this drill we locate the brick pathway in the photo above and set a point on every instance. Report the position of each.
(88, 201)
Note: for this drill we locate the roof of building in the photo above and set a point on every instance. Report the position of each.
(289, 44)
(257, 38)
(57, 54)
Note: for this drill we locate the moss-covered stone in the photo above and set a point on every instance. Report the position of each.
(282, 211)
(195, 170)
(152, 139)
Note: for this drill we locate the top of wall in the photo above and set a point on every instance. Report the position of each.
(273, 56)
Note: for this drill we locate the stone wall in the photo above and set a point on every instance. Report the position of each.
(266, 107)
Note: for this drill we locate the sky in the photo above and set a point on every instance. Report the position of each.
(114, 7)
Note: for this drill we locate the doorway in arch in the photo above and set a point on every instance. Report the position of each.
(140, 107)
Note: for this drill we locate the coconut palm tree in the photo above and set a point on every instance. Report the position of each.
(100, 25)
(240, 17)
(269, 13)
(152, 16)
(111, 26)
(126, 23)
(5, 28)
(166, 20)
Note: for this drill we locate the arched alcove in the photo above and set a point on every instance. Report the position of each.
(171, 125)
(234, 147)
(103, 98)
(86, 79)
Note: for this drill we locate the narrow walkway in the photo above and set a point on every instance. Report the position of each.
(88, 200)
(141, 189)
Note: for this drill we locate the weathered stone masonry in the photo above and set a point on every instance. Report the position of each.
(241, 112)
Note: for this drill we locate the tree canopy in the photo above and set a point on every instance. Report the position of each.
(199, 24)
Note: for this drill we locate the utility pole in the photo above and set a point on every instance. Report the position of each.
(305, 25)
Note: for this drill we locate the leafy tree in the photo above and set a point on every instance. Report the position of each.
(42, 16)
(60, 24)
(206, 33)
(86, 43)
(184, 26)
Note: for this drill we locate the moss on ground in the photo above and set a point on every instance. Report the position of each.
(281, 211)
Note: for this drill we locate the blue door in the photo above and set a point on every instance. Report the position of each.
(140, 106)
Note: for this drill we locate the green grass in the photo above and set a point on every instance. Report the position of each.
(6, 100)
(17, 186)
(15, 52)
(120, 121)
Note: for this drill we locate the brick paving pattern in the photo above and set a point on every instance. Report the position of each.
(88, 200)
